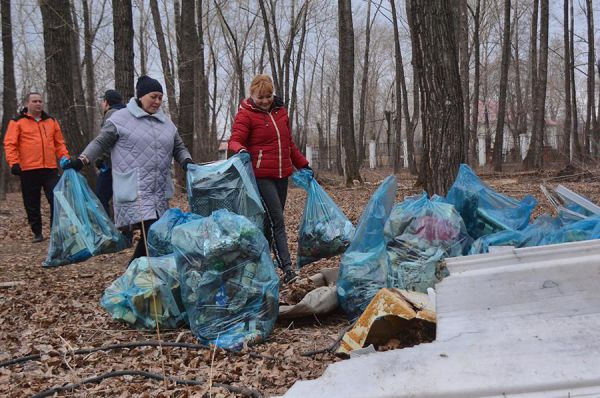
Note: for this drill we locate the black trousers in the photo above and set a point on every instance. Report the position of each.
(274, 193)
(32, 183)
(140, 249)
(104, 190)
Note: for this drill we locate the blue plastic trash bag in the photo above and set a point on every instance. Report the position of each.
(229, 285)
(585, 229)
(324, 229)
(532, 235)
(484, 210)
(149, 291)
(227, 184)
(159, 234)
(363, 269)
(420, 233)
(80, 228)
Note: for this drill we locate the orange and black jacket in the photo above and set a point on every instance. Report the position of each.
(34, 144)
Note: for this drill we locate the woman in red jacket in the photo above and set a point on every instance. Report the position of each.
(262, 128)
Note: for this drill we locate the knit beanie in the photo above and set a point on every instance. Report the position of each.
(145, 85)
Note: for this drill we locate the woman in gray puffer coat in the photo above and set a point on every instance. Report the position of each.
(142, 142)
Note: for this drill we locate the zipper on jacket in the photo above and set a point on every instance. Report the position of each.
(42, 139)
(278, 142)
(259, 159)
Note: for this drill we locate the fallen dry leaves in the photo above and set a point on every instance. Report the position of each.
(57, 311)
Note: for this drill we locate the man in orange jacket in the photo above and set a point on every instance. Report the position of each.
(32, 143)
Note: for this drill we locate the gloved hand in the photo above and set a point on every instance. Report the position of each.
(15, 169)
(308, 168)
(244, 151)
(186, 163)
(101, 165)
(72, 163)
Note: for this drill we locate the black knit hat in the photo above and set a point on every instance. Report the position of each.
(113, 97)
(145, 85)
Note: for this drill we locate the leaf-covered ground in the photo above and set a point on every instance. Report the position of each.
(56, 311)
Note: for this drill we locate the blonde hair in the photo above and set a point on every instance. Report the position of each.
(261, 84)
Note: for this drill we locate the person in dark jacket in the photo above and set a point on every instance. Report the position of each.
(262, 128)
(112, 101)
(32, 144)
(142, 142)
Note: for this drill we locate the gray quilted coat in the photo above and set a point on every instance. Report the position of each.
(142, 147)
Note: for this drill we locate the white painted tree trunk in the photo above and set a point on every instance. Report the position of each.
(372, 154)
(309, 154)
(481, 150)
(405, 153)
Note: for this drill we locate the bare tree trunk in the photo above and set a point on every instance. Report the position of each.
(123, 47)
(410, 123)
(591, 129)
(338, 161)
(567, 71)
(346, 98)
(234, 50)
(475, 108)
(274, 70)
(142, 39)
(79, 97)
(56, 18)
(533, 60)
(206, 147)
(534, 158)
(521, 113)
(433, 33)
(363, 87)
(213, 105)
(164, 60)
(579, 152)
(398, 84)
(88, 64)
(9, 95)
(463, 34)
(187, 68)
(293, 98)
(499, 139)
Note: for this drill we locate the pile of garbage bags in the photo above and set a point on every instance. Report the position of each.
(80, 228)
(159, 234)
(363, 269)
(484, 210)
(146, 294)
(324, 229)
(227, 184)
(229, 286)
(420, 233)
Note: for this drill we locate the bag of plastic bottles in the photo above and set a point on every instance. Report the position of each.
(324, 229)
(229, 285)
(420, 233)
(227, 184)
(586, 229)
(484, 210)
(532, 235)
(148, 292)
(363, 269)
(80, 228)
(159, 234)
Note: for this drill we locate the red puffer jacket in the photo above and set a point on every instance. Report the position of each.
(267, 136)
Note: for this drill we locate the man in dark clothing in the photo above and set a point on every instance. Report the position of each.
(112, 101)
